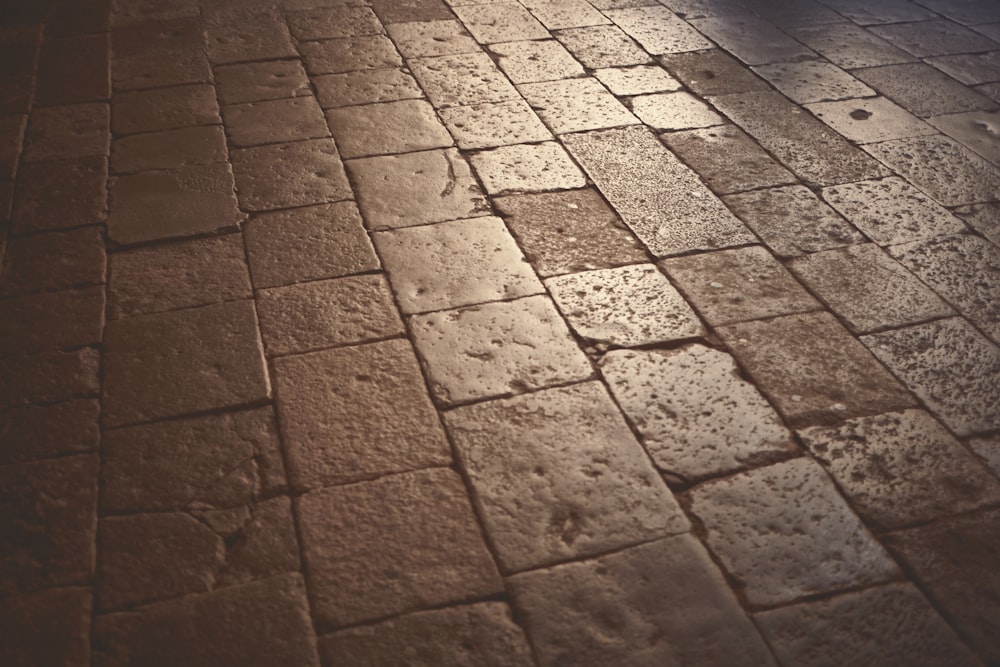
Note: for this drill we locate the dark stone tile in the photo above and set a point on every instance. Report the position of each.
(68, 132)
(158, 53)
(39, 432)
(11, 140)
(169, 149)
(274, 121)
(287, 175)
(241, 34)
(74, 69)
(53, 261)
(49, 377)
(847, 45)
(970, 12)
(933, 38)
(254, 82)
(164, 109)
(50, 627)
(863, 12)
(51, 320)
(753, 40)
(79, 18)
(923, 90)
(142, 11)
(971, 69)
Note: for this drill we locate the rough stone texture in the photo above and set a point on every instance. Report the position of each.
(527, 168)
(752, 40)
(51, 320)
(333, 22)
(324, 313)
(365, 86)
(870, 120)
(923, 90)
(392, 11)
(60, 195)
(67, 132)
(170, 149)
(955, 561)
(49, 512)
(565, 232)
(868, 289)
(274, 121)
(887, 11)
(11, 139)
(49, 377)
(574, 105)
(430, 186)
(658, 30)
(452, 264)
(976, 130)
(558, 475)
(261, 623)
(984, 218)
(712, 72)
(812, 369)
(326, 241)
(254, 82)
(356, 412)
(626, 306)
(497, 349)
(375, 129)
(849, 46)
(663, 603)
(494, 124)
(969, 68)
(155, 54)
(602, 46)
(164, 109)
(183, 361)
(674, 111)
(286, 175)
(792, 220)
(467, 78)
(54, 261)
(50, 627)
(933, 38)
(891, 624)
(239, 34)
(481, 634)
(953, 368)
(432, 38)
(988, 449)
(813, 81)
(736, 285)
(637, 80)
(783, 532)
(694, 413)
(40, 432)
(397, 544)
(536, 60)
(558, 14)
(349, 55)
(179, 275)
(660, 199)
(500, 22)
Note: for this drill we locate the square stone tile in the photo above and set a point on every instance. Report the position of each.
(179, 275)
(416, 188)
(274, 121)
(52, 624)
(527, 168)
(559, 14)
(247, 34)
(626, 306)
(536, 60)
(870, 120)
(712, 72)
(813, 81)
(337, 21)
(365, 86)
(674, 111)
(432, 38)
(969, 68)
(602, 46)
(32, 432)
(169, 149)
(164, 109)
(658, 30)
(849, 46)
(49, 377)
(933, 38)
(68, 132)
(500, 22)
(185, 361)
(886, 11)
(923, 90)
(287, 175)
(255, 82)
(156, 54)
(792, 220)
(73, 68)
(51, 320)
(324, 313)
(558, 475)
(467, 78)
(60, 195)
(325, 241)
(419, 526)
(694, 413)
(812, 369)
(354, 413)
(497, 349)
(29, 267)
(753, 40)
(736, 285)
(377, 129)
(975, 129)
(633, 607)
(573, 105)
(451, 264)
(349, 55)
(637, 80)
(494, 124)
(391, 11)
(784, 532)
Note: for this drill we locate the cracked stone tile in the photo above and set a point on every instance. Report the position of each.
(923, 90)
(373, 129)
(235, 35)
(50, 625)
(813, 81)
(849, 46)
(494, 124)
(68, 132)
(333, 56)
(155, 54)
(970, 68)
(432, 38)
(674, 111)
(164, 109)
(977, 130)
(255, 82)
(637, 80)
(365, 86)
(49, 377)
(573, 105)
(169, 149)
(536, 60)
(53, 261)
(753, 40)
(984, 218)
(602, 46)
(869, 120)
(338, 21)
(933, 38)
(712, 72)
(694, 414)
(274, 121)
(32, 432)
(500, 22)
(527, 168)
(468, 78)
(658, 30)
(288, 175)
(51, 320)
(559, 14)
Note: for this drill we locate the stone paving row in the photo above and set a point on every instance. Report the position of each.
(457, 332)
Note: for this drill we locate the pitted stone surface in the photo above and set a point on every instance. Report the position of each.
(494, 124)
(712, 72)
(51, 320)
(988, 449)
(49, 377)
(47, 627)
(933, 38)
(274, 121)
(467, 78)
(887, 11)
(536, 60)
(752, 40)
(573, 105)
(239, 34)
(658, 30)
(870, 120)
(602, 46)
(397, 544)
(558, 475)
(373, 129)
(637, 80)
(366, 86)
(170, 149)
(662, 603)
(695, 415)
(332, 22)
(286, 175)
(354, 413)
(813, 81)
(559, 14)
(847, 45)
(58, 260)
(45, 431)
(674, 111)
(527, 168)
(923, 90)
(984, 218)
(500, 22)
(255, 82)
(977, 130)
(164, 109)
(67, 132)
(784, 532)
(349, 55)
(432, 38)
(969, 68)
(60, 195)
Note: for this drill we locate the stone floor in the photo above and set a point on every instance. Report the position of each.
(451, 332)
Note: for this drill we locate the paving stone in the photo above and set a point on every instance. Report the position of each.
(481, 634)
(696, 9)
(891, 211)
(813, 81)
(53, 261)
(50, 627)
(180, 362)
(558, 475)
(494, 124)
(265, 623)
(500, 22)
(11, 138)
(430, 186)
(867, 289)
(891, 624)
(173, 203)
(799, 13)
(990, 90)
(153, 54)
(847, 45)
(736, 285)
(693, 412)
(537, 60)
(963, 269)
(51, 320)
(602, 46)
(753, 40)
(933, 38)
(727, 159)
(984, 218)
(619, 4)
(164, 109)
(67, 132)
(784, 532)
(392, 11)
(497, 349)
(49, 377)
(672, 212)
(287, 175)
(60, 195)
(49, 510)
(73, 69)
(237, 36)
(178, 275)
(274, 121)
(954, 562)
(369, 401)
(941, 167)
(674, 111)
(572, 105)
(988, 449)
(397, 544)
(799, 141)
(349, 55)
(869, 120)
(968, 13)
(325, 241)
(432, 38)
(373, 129)
(365, 87)
(467, 78)
(812, 369)
(923, 90)
(969, 68)
(886, 11)
(128, 12)
(662, 603)
(637, 80)
(792, 220)
(255, 82)
(39, 432)
(977, 130)
(337, 21)
(559, 14)
(203, 463)
(171, 149)
(527, 168)
(712, 72)
(565, 232)
(658, 30)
